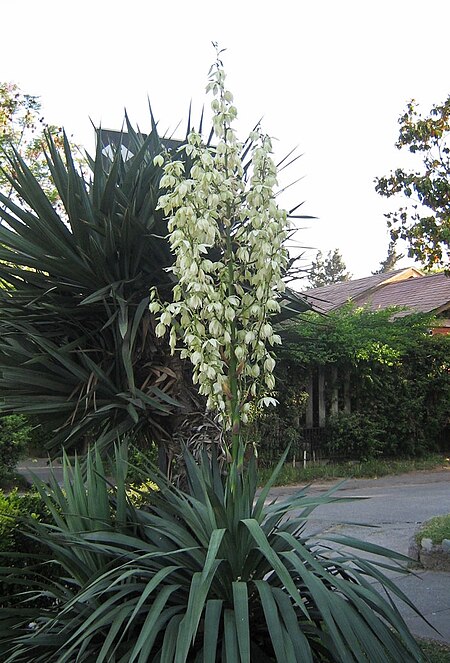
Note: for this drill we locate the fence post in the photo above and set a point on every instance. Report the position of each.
(322, 412)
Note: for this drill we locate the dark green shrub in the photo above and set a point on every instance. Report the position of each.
(13, 508)
(17, 550)
(353, 435)
(14, 437)
(139, 460)
(40, 434)
(410, 401)
(386, 369)
(203, 575)
(276, 428)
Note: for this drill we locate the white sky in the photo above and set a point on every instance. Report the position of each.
(331, 77)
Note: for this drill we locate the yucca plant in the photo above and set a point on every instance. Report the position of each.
(77, 342)
(213, 574)
(77, 346)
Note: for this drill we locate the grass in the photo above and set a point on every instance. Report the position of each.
(436, 529)
(436, 652)
(369, 469)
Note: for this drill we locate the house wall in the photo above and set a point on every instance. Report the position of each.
(440, 330)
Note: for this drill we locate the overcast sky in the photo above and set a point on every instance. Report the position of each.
(329, 77)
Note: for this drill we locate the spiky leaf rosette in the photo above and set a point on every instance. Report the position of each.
(77, 342)
(210, 575)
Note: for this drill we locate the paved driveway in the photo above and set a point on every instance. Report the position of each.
(396, 506)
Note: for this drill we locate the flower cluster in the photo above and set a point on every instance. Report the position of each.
(227, 234)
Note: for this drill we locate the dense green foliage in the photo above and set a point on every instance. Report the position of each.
(203, 575)
(424, 219)
(398, 375)
(353, 435)
(15, 434)
(273, 429)
(14, 507)
(17, 550)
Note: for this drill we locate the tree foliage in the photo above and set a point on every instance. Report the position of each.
(424, 219)
(329, 269)
(22, 129)
(392, 258)
(351, 335)
(14, 437)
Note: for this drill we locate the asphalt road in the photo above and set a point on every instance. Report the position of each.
(40, 468)
(395, 508)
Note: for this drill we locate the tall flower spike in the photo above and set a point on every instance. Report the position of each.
(227, 235)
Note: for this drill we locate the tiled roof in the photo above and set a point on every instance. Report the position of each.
(403, 287)
(425, 294)
(329, 297)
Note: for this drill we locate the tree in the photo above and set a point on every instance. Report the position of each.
(22, 129)
(397, 374)
(331, 269)
(424, 219)
(392, 258)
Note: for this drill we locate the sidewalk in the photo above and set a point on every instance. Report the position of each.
(430, 593)
(40, 468)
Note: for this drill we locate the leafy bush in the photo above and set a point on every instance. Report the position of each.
(410, 400)
(18, 550)
(40, 433)
(14, 506)
(276, 428)
(141, 494)
(14, 437)
(200, 576)
(390, 372)
(138, 460)
(353, 435)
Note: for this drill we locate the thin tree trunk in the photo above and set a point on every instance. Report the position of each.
(347, 397)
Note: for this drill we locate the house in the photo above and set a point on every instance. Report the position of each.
(407, 288)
